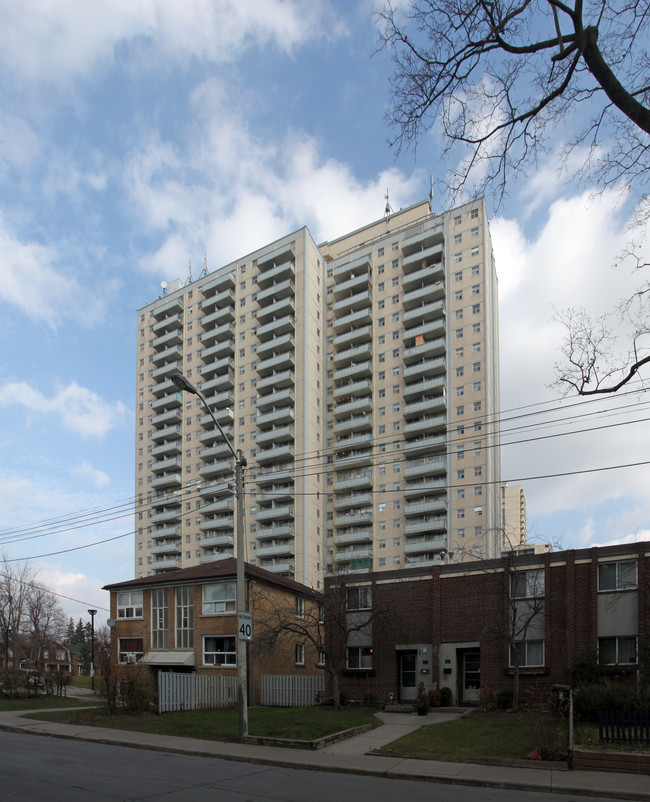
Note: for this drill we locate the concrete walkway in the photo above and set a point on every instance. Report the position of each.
(355, 756)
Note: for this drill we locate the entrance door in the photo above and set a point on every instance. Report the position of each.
(408, 675)
(471, 677)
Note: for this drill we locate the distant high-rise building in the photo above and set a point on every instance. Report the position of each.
(360, 379)
(513, 516)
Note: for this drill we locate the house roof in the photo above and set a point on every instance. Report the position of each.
(220, 569)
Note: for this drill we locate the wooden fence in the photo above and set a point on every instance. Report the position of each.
(290, 691)
(625, 728)
(195, 692)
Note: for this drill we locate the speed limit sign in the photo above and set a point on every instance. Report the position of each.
(245, 625)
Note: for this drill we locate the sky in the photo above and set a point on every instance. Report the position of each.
(137, 137)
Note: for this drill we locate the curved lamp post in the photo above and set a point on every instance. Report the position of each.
(240, 463)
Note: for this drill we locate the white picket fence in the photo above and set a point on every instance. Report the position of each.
(195, 692)
(290, 691)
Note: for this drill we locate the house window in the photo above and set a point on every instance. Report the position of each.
(219, 598)
(359, 598)
(531, 653)
(129, 604)
(184, 618)
(321, 658)
(159, 619)
(130, 650)
(300, 607)
(616, 651)
(617, 576)
(527, 584)
(359, 657)
(300, 654)
(219, 650)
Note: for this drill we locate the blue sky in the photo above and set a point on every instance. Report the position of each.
(136, 136)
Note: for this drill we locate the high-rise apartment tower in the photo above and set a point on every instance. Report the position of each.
(360, 380)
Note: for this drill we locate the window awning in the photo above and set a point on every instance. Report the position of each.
(171, 657)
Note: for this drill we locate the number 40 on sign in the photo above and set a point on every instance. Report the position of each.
(245, 625)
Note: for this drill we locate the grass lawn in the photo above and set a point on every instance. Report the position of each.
(304, 723)
(484, 735)
(43, 701)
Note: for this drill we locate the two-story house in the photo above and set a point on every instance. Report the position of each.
(186, 621)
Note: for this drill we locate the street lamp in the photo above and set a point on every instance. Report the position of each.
(240, 463)
(92, 614)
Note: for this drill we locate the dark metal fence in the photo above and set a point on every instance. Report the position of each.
(625, 728)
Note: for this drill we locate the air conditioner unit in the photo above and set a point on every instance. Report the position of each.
(130, 657)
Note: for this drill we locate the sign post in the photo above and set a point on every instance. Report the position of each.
(245, 625)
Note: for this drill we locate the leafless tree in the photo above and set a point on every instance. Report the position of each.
(501, 76)
(497, 80)
(329, 627)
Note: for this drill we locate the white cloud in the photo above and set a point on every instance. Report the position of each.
(78, 591)
(33, 280)
(90, 475)
(569, 263)
(81, 410)
(53, 41)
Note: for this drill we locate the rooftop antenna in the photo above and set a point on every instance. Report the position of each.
(389, 209)
(205, 263)
(163, 284)
(189, 272)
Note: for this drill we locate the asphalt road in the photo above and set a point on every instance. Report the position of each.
(34, 768)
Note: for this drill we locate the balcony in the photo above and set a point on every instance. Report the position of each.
(211, 541)
(276, 453)
(225, 398)
(279, 434)
(425, 466)
(166, 370)
(360, 335)
(276, 493)
(415, 526)
(353, 554)
(360, 264)
(216, 524)
(166, 532)
(355, 283)
(167, 402)
(173, 447)
(352, 389)
(274, 473)
(220, 449)
(423, 387)
(286, 549)
(278, 567)
(286, 270)
(354, 459)
(222, 348)
(171, 307)
(425, 368)
(360, 370)
(276, 345)
(435, 442)
(354, 519)
(355, 536)
(274, 292)
(425, 312)
(168, 323)
(215, 284)
(166, 564)
(423, 294)
(363, 404)
(169, 416)
(281, 308)
(217, 468)
(168, 355)
(282, 379)
(221, 366)
(281, 415)
(216, 555)
(427, 275)
(166, 515)
(422, 486)
(222, 505)
(265, 532)
(277, 511)
(166, 433)
(358, 353)
(351, 500)
(428, 348)
(169, 547)
(355, 482)
(424, 545)
(215, 489)
(274, 328)
(280, 255)
(168, 339)
(280, 398)
(278, 362)
(219, 317)
(353, 303)
(415, 259)
(223, 333)
(356, 423)
(345, 443)
(166, 480)
(432, 505)
(361, 318)
(219, 299)
(425, 424)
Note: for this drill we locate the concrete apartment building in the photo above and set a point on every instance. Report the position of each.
(513, 516)
(360, 380)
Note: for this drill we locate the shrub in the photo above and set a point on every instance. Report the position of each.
(505, 699)
(607, 695)
(445, 696)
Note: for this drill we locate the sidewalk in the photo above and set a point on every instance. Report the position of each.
(352, 757)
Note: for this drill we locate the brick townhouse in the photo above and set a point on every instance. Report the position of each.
(466, 625)
(186, 621)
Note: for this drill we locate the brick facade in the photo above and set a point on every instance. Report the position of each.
(444, 613)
